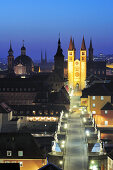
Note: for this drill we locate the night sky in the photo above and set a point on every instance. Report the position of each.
(38, 23)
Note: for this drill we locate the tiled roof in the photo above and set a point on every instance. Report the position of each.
(50, 166)
(19, 142)
(4, 108)
(11, 166)
(107, 106)
(97, 89)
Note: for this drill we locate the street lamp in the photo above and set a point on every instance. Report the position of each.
(66, 115)
(65, 126)
(84, 119)
(87, 132)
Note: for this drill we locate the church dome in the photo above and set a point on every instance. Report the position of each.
(24, 60)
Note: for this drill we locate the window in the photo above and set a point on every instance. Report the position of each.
(21, 164)
(93, 97)
(83, 53)
(102, 97)
(7, 161)
(106, 122)
(94, 112)
(9, 153)
(20, 153)
(106, 111)
(70, 53)
(93, 104)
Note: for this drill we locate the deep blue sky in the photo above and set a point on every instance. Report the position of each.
(39, 22)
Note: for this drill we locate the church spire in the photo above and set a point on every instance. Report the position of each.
(10, 52)
(74, 44)
(41, 57)
(71, 44)
(59, 49)
(90, 51)
(83, 46)
(90, 44)
(45, 57)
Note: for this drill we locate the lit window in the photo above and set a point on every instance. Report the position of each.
(83, 53)
(34, 112)
(51, 112)
(93, 104)
(21, 164)
(93, 97)
(94, 112)
(7, 161)
(106, 111)
(9, 153)
(102, 97)
(70, 53)
(20, 153)
(106, 122)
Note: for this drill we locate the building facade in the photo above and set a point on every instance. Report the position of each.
(77, 68)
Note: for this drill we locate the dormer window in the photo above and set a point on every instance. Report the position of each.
(20, 153)
(9, 153)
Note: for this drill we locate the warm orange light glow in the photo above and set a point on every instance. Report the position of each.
(54, 119)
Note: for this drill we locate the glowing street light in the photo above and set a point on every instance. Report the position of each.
(84, 119)
(87, 132)
(66, 115)
(65, 126)
(60, 162)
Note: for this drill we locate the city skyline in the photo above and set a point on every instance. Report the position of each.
(40, 28)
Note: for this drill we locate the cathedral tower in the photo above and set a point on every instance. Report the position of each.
(59, 61)
(10, 59)
(90, 51)
(83, 56)
(71, 59)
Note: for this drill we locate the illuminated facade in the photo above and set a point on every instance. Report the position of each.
(77, 68)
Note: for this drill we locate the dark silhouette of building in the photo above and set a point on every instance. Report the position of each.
(44, 65)
(23, 64)
(10, 59)
(59, 61)
(90, 51)
(97, 68)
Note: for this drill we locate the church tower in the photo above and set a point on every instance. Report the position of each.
(71, 59)
(83, 56)
(90, 51)
(10, 59)
(59, 61)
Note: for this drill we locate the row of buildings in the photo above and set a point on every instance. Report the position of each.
(31, 103)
